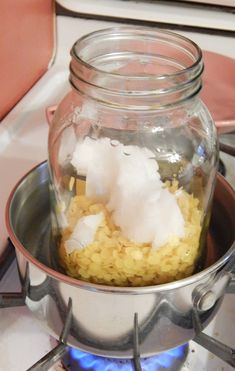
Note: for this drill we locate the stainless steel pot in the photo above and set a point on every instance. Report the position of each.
(103, 316)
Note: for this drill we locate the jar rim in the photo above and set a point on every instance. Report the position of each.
(142, 30)
(130, 66)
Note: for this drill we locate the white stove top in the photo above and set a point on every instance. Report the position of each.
(23, 144)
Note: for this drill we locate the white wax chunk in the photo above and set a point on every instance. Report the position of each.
(126, 178)
(84, 232)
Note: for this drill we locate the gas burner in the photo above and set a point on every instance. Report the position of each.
(76, 360)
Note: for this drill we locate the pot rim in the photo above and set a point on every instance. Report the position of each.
(135, 290)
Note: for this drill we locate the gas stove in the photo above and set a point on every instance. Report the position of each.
(23, 144)
(34, 350)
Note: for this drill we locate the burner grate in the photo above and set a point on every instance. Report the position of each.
(222, 168)
(214, 346)
(6, 258)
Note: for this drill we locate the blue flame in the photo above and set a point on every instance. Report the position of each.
(90, 362)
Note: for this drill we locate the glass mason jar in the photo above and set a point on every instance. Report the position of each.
(132, 158)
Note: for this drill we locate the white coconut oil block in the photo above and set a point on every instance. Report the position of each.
(126, 180)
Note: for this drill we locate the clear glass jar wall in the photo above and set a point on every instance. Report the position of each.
(132, 158)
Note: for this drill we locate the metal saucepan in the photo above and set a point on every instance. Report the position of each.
(103, 316)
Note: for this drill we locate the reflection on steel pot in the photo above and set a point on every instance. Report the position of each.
(103, 315)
